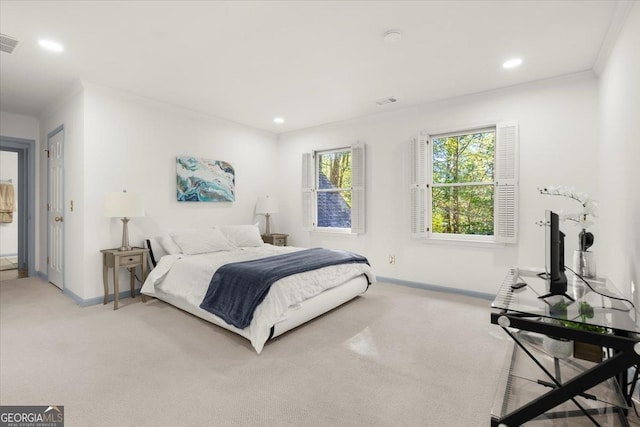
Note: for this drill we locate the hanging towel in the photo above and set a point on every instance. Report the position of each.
(7, 202)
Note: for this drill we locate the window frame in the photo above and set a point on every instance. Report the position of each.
(505, 182)
(316, 155)
(431, 185)
(311, 190)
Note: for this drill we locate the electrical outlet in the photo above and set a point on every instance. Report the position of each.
(392, 259)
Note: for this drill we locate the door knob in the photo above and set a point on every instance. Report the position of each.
(58, 219)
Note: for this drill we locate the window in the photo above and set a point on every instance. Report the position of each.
(333, 190)
(462, 182)
(464, 185)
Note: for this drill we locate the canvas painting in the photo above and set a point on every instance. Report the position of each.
(204, 180)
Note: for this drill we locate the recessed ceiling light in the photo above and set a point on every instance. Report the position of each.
(512, 63)
(278, 120)
(392, 36)
(50, 45)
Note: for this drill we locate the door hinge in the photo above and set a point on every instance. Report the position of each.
(48, 206)
(47, 151)
(47, 259)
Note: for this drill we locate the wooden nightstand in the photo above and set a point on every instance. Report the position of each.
(276, 239)
(116, 259)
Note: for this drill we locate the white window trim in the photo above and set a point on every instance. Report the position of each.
(463, 240)
(334, 230)
(505, 185)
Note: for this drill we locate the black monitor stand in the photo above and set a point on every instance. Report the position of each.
(555, 259)
(556, 287)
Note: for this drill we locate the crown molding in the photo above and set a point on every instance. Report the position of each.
(618, 20)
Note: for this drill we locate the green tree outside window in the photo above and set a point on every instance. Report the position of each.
(336, 166)
(463, 176)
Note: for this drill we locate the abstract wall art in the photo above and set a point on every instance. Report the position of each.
(204, 180)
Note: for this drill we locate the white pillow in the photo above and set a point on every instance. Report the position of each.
(201, 241)
(243, 235)
(169, 245)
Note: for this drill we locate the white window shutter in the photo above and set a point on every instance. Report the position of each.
(418, 186)
(506, 183)
(358, 189)
(308, 191)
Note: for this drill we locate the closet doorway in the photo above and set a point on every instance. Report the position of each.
(17, 173)
(9, 215)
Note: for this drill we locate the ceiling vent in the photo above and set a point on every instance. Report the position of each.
(387, 100)
(8, 44)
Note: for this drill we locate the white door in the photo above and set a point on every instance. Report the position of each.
(55, 208)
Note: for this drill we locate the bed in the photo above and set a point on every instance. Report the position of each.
(186, 266)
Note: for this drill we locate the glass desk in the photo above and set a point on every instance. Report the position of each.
(538, 384)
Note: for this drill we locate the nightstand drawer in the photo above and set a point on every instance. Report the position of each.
(276, 239)
(130, 260)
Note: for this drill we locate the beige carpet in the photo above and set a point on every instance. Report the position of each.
(8, 263)
(394, 357)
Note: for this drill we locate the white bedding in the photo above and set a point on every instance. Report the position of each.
(188, 277)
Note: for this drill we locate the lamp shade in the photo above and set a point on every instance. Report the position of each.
(123, 205)
(266, 205)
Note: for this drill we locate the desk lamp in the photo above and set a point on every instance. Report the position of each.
(124, 206)
(266, 206)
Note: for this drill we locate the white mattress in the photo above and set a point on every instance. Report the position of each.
(183, 281)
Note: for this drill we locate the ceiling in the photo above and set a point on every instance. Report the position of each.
(309, 62)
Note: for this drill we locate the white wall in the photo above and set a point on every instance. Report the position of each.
(67, 112)
(558, 140)
(116, 141)
(132, 143)
(19, 126)
(619, 160)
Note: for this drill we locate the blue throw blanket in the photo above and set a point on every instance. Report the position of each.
(236, 289)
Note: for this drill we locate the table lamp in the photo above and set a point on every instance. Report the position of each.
(266, 206)
(124, 206)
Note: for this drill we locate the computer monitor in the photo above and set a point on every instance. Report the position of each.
(554, 256)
